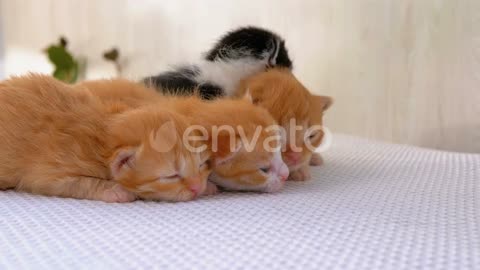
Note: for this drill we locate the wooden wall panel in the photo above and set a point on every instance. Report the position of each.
(405, 71)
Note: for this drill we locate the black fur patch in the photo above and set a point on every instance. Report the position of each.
(251, 42)
(180, 81)
(210, 91)
(246, 42)
(283, 60)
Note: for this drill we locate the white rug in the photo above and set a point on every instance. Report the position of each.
(371, 206)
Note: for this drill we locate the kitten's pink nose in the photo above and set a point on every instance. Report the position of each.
(280, 168)
(194, 184)
(283, 173)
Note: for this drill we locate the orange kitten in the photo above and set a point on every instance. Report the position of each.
(254, 167)
(286, 98)
(59, 141)
(120, 93)
(258, 165)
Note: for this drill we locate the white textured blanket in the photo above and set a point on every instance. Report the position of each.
(371, 206)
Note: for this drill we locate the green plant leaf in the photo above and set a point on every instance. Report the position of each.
(60, 57)
(66, 67)
(68, 75)
(61, 74)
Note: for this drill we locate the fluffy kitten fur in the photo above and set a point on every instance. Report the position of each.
(286, 98)
(237, 55)
(62, 141)
(249, 169)
(248, 52)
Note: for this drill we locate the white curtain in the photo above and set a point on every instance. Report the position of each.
(400, 70)
(2, 68)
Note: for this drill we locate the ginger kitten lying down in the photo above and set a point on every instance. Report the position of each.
(278, 91)
(61, 141)
(252, 168)
(259, 57)
(258, 165)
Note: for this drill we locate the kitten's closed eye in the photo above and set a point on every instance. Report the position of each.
(171, 178)
(313, 135)
(265, 169)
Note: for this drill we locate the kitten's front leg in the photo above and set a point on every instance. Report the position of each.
(301, 174)
(117, 194)
(98, 189)
(7, 183)
(211, 189)
(77, 187)
(316, 159)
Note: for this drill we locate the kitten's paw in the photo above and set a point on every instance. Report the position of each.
(211, 189)
(301, 174)
(117, 194)
(316, 159)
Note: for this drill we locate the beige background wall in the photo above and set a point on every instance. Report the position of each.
(406, 71)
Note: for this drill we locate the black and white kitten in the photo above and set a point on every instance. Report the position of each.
(237, 55)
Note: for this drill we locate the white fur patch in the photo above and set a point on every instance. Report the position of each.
(228, 73)
(276, 48)
(274, 181)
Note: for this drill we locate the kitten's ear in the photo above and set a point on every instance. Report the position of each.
(226, 149)
(318, 105)
(122, 161)
(248, 96)
(321, 102)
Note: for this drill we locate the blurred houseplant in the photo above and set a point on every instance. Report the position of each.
(69, 69)
(113, 55)
(66, 67)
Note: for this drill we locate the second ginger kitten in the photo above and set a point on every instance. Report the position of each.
(296, 110)
(253, 167)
